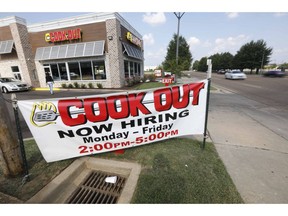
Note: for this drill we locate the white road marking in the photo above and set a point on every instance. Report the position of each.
(253, 86)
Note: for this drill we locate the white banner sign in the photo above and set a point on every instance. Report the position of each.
(71, 127)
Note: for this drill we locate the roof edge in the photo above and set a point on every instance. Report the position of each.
(6, 21)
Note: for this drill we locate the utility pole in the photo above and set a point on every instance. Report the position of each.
(262, 62)
(179, 16)
(11, 162)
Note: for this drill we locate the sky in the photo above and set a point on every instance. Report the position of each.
(206, 31)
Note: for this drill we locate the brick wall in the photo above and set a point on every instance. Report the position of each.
(114, 57)
(5, 67)
(24, 52)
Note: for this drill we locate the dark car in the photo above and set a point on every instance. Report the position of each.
(221, 72)
(274, 73)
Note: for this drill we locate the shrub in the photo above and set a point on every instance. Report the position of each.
(64, 85)
(132, 81)
(144, 78)
(136, 80)
(70, 85)
(76, 84)
(151, 77)
(99, 85)
(83, 86)
(128, 82)
(90, 85)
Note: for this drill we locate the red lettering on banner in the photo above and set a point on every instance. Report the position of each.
(123, 106)
(136, 104)
(196, 87)
(90, 110)
(160, 96)
(179, 102)
(113, 106)
(64, 111)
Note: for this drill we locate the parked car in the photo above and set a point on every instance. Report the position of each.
(9, 84)
(274, 73)
(235, 74)
(221, 72)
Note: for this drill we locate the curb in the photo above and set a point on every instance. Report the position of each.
(45, 89)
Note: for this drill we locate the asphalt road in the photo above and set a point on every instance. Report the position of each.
(271, 92)
(267, 97)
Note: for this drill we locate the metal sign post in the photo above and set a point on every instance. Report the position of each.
(209, 72)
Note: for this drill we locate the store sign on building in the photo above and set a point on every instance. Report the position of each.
(65, 35)
(133, 39)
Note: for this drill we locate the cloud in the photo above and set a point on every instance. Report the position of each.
(230, 44)
(154, 18)
(148, 39)
(280, 14)
(155, 56)
(192, 41)
(280, 54)
(232, 15)
(207, 43)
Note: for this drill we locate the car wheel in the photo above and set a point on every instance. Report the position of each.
(5, 90)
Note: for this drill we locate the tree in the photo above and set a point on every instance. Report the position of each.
(252, 55)
(222, 61)
(283, 66)
(202, 66)
(184, 56)
(195, 65)
(11, 161)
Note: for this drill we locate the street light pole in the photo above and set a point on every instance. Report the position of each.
(179, 16)
(262, 62)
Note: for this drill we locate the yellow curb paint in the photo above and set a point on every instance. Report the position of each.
(45, 89)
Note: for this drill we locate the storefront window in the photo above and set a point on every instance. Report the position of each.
(139, 69)
(136, 69)
(74, 71)
(99, 70)
(62, 70)
(131, 69)
(16, 72)
(55, 72)
(86, 70)
(126, 69)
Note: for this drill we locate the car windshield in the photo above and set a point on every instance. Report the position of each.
(236, 72)
(8, 79)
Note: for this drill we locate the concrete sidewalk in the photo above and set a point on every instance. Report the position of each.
(254, 153)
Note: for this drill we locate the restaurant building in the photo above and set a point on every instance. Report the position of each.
(97, 48)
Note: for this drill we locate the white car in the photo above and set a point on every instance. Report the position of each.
(235, 74)
(9, 84)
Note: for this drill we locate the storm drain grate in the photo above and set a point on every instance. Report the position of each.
(95, 190)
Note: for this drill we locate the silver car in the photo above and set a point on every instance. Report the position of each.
(9, 84)
(235, 74)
